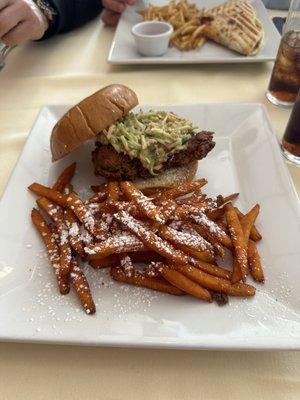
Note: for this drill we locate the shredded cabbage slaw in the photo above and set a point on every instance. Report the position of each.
(149, 136)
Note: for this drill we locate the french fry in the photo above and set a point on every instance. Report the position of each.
(113, 192)
(185, 239)
(152, 271)
(254, 263)
(150, 239)
(153, 192)
(254, 234)
(82, 288)
(97, 198)
(126, 264)
(107, 262)
(139, 279)
(175, 233)
(143, 257)
(238, 242)
(214, 283)
(52, 249)
(182, 190)
(204, 255)
(50, 194)
(230, 197)
(247, 222)
(211, 269)
(211, 229)
(67, 189)
(73, 227)
(144, 204)
(64, 178)
(56, 213)
(85, 216)
(185, 18)
(99, 188)
(114, 245)
(185, 284)
(211, 238)
(197, 31)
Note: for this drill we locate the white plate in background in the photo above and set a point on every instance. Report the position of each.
(123, 49)
(246, 159)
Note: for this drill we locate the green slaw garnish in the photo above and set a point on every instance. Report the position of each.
(149, 136)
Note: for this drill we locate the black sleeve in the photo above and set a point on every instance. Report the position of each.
(71, 14)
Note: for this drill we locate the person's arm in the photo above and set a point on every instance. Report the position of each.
(71, 14)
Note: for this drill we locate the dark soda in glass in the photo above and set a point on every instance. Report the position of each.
(285, 80)
(291, 137)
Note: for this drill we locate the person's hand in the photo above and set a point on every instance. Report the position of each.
(113, 10)
(21, 20)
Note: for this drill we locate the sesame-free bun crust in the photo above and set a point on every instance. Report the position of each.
(170, 178)
(89, 117)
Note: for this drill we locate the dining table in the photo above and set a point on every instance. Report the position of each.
(63, 70)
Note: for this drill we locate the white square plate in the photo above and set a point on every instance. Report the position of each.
(123, 49)
(246, 159)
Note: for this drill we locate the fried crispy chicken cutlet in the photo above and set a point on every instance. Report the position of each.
(120, 166)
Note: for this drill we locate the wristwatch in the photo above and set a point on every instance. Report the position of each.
(46, 9)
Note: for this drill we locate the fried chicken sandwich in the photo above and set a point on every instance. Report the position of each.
(152, 148)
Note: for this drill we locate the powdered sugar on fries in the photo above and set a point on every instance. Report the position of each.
(125, 222)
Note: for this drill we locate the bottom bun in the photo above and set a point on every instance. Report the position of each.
(170, 178)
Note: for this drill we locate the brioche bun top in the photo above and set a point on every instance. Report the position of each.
(88, 118)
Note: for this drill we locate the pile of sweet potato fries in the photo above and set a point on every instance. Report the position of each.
(165, 239)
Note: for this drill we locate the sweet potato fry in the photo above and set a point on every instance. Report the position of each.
(211, 229)
(67, 189)
(185, 284)
(182, 190)
(152, 271)
(239, 246)
(202, 231)
(113, 192)
(168, 209)
(214, 283)
(215, 214)
(122, 243)
(50, 194)
(204, 255)
(52, 249)
(184, 238)
(65, 178)
(126, 264)
(154, 192)
(107, 262)
(254, 263)
(56, 213)
(98, 198)
(143, 203)
(247, 222)
(150, 239)
(99, 188)
(140, 279)
(230, 197)
(143, 257)
(211, 269)
(254, 234)
(82, 288)
(85, 216)
(73, 227)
